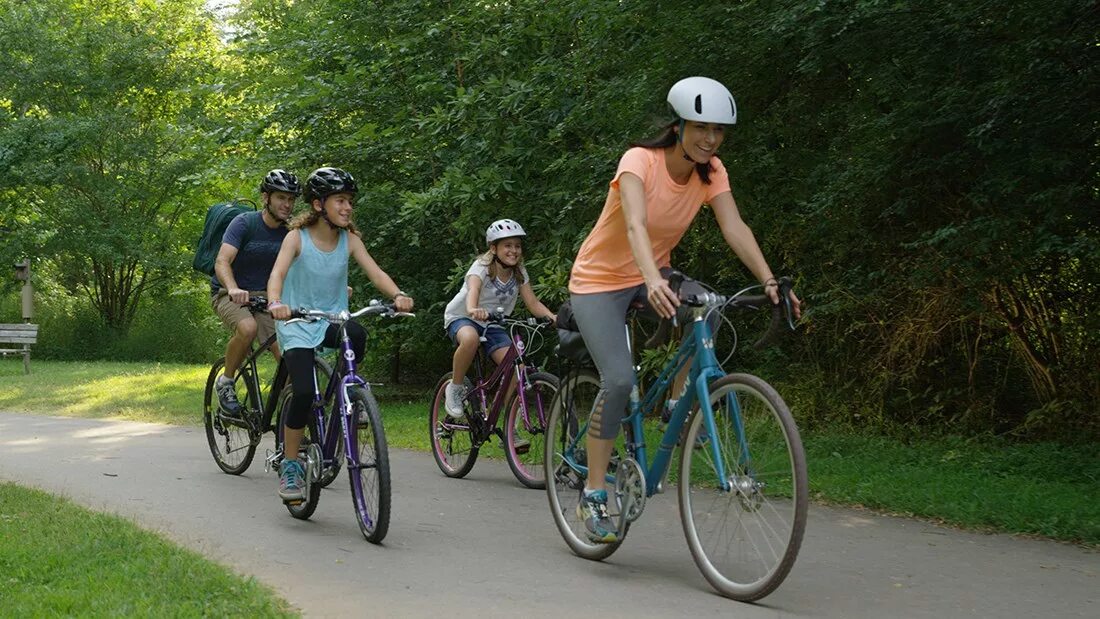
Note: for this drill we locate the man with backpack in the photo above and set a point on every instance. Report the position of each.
(243, 264)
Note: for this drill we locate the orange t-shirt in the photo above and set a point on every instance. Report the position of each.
(605, 262)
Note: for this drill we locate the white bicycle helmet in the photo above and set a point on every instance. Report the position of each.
(503, 229)
(702, 99)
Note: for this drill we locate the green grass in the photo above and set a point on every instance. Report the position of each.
(1044, 489)
(58, 559)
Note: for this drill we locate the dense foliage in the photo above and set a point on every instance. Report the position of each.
(928, 171)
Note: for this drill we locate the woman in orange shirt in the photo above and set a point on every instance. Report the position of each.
(657, 191)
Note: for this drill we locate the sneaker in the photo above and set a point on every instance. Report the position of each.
(456, 394)
(592, 509)
(292, 483)
(521, 444)
(226, 389)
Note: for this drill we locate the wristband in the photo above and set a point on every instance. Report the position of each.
(771, 281)
(275, 303)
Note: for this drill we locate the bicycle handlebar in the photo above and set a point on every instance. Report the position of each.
(374, 307)
(697, 296)
(498, 317)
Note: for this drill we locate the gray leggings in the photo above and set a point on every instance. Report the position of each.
(601, 318)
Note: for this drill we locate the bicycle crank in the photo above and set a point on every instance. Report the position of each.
(629, 490)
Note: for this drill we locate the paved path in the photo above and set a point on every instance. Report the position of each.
(485, 547)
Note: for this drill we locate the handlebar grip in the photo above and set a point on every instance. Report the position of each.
(781, 312)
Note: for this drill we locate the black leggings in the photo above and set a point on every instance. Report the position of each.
(303, 381)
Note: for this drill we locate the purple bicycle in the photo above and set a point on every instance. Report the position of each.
(456, 443)
(354, 421)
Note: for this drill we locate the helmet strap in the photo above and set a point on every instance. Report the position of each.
(680, 143)
(324, 216)
(270, 211)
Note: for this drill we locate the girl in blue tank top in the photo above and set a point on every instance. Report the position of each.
(311, 271)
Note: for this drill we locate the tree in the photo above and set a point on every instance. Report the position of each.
(104, 140)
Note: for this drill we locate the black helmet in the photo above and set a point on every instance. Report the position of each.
(326, 181)
(280, 180)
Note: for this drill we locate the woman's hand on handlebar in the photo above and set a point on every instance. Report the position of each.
(403, 302)
(278, 310)
(479, 313)
(771, 288)
(661, 298)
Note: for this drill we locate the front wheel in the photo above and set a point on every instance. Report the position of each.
(564, 447)
(452, 441)
(525, 429)
(369, 466)
(232, 441)
(744, 528)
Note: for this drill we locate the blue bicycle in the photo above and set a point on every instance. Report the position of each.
(742, 477)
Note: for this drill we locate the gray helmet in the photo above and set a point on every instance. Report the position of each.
(503, 229)
(324, 182)
(702, 99)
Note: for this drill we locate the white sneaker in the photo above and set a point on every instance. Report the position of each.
(454, 405)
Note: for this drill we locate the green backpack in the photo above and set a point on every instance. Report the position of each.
(213, 229)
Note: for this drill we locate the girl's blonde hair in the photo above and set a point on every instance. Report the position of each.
(310, 217)
(495, 266)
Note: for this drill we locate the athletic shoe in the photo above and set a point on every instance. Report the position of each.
(227, 396)
(456, 395)
(592, 509)
(292, 483)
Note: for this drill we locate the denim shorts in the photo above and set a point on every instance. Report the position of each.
(495, 335)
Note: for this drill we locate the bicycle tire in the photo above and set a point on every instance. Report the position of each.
(305, 509)
(528, 467)
(564, 485)
(369, 476)
(452, 461)
(767, 472)
(232, 446)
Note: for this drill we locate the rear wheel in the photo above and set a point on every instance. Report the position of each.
(232, 441)
(452, 441)
(525, 429)
(744, 531)
(565, 443)
(370, 473)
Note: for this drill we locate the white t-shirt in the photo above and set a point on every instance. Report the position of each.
(494, 294)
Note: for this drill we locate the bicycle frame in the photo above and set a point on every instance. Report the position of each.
(511, 367)
(699, 351)
(277, 384)
(348, 377)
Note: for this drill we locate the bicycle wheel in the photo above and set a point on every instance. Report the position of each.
(452, 441)
(370, 474)
(520, 425)
(744, 540)
(232, 442)
(569, 413)
(305, 509)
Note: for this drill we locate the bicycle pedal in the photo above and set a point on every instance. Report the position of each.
(294, 503)
(522, 449)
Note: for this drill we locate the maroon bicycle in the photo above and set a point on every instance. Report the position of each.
(456, 443)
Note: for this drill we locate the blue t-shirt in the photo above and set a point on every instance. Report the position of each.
(254, 261)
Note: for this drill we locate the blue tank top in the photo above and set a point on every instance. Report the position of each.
(316, 280)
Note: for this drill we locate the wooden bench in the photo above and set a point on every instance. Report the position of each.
(25, 334)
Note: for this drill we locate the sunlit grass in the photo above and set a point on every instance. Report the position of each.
(58, 559)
